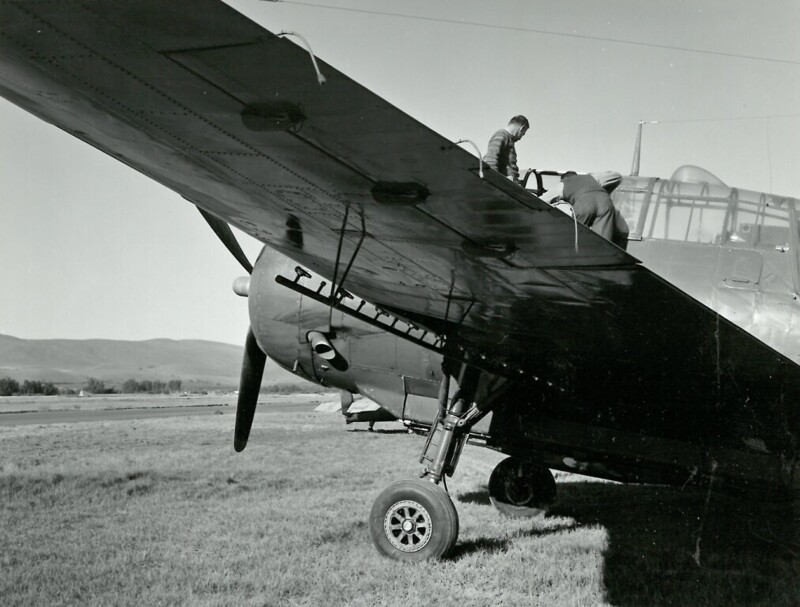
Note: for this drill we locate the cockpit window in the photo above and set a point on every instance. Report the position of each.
(707, 214)
(756, 224)
(689, 212)
(760, 220)
(631, 200)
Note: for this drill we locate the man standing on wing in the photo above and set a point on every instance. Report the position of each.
(501, 154)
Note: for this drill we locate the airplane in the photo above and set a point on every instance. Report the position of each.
(396, 266)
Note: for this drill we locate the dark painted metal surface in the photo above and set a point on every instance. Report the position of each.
(622, 433)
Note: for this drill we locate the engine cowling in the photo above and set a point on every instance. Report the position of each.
(346, 353)
(282, 320)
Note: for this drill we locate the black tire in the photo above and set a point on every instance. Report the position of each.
(413, 520)
(521, 489)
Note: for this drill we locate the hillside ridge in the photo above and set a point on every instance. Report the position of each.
(71, 362)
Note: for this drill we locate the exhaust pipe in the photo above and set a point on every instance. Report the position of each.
(321, 346)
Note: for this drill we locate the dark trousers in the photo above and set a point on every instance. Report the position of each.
(596, 211)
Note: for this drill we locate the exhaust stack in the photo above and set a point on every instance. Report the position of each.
(321, 346)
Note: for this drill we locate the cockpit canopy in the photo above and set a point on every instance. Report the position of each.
(706, 213)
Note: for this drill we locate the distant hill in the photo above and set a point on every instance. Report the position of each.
(70, 362)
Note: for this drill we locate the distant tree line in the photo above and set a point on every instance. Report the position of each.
(11, 387)
(132, 386)
(146, 386)
(293, 388)
(96, 386)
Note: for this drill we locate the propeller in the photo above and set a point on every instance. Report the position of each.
(249, 386)
(225, 234)
(254, 357)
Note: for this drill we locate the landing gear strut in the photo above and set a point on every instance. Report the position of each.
(521, 488)
(416, 520)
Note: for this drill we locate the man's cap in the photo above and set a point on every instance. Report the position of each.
(608, 179)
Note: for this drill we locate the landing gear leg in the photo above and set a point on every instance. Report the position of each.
(521, 488)
(416, 520)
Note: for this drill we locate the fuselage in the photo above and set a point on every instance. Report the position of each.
(735, 251)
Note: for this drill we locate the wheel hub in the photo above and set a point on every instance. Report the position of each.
(518, 492)
(408, 526)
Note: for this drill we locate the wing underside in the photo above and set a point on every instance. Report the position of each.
(233, 118)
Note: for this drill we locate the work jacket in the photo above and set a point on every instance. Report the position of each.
(501, 154)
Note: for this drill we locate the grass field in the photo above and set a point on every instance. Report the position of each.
(163, 512)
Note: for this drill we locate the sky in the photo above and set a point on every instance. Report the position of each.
(91, 249)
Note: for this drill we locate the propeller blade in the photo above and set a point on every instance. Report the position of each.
(225, 234)
(249, 385)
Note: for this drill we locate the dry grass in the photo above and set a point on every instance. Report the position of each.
(163, 512)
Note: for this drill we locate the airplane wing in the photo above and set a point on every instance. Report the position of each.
(234, 119)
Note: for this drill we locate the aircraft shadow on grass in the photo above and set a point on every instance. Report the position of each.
(749, 552)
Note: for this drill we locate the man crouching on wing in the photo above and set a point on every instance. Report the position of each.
(590, 198)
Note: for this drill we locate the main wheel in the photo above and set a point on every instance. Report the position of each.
(413, 520)
(520, 488)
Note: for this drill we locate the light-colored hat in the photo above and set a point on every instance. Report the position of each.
(608, 179)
